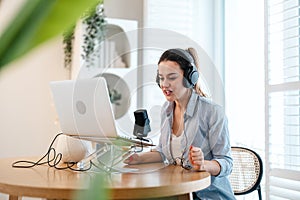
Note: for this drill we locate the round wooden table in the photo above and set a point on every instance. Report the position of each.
(47, 182)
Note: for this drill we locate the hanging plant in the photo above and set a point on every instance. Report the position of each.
(94, 20)
(94, 33)
(68, 39)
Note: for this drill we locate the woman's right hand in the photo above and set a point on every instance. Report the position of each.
(133, 159)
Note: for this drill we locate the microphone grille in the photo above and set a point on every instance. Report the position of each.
(141, 117)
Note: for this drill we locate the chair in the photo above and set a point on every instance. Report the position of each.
(246, 172)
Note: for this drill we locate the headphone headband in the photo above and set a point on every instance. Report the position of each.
(184, 54)
(190, 71)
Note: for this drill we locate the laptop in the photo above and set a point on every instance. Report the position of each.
(84, 111)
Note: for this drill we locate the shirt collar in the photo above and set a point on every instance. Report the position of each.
(191, 106)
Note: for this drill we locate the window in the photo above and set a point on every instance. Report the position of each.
(244, 77)
(283, 99)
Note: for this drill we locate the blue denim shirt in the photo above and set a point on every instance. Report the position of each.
(205, 127)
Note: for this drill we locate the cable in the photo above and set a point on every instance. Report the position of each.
(51, 161)
(54, 158)
(15, 164)
(151, 142)
(142, 143)
(187, 166)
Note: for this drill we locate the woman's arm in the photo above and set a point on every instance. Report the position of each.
(145, 157)
(196, 158)
(218, 156)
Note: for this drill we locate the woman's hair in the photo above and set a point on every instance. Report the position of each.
(171, 56)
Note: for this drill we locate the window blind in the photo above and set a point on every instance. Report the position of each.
(168, 15)
(283, 99)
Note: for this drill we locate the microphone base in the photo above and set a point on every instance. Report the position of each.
(143, 139)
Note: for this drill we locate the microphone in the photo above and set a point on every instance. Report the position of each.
(142, 124)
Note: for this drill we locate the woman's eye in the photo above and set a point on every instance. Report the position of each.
(172, 78)
(168, 78)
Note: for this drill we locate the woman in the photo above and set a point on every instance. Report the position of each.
(194, 131)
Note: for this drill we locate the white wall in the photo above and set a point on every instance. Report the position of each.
(27, 116)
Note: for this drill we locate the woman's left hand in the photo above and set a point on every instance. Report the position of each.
(196, 158)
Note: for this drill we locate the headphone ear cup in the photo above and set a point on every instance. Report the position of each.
(191, 76)
(194, 76)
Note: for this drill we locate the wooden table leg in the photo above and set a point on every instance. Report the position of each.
(188, 196)
(12, 197)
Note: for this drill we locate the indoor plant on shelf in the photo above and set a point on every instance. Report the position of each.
(94, 23)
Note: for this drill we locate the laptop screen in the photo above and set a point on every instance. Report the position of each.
(83, 107)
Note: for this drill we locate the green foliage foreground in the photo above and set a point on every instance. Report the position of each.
(38, 21)
(96, 189)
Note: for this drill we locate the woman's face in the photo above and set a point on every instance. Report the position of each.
(171, 80)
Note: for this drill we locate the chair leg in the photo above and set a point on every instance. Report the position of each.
(259, 192)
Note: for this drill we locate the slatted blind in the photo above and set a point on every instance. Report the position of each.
(283, 99)
(174, 15)
(168, 15)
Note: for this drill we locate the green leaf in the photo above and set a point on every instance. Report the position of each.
(96, 191)
(38, 21)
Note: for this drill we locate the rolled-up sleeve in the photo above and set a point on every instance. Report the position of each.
(220, 142)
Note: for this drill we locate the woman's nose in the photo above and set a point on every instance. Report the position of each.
(164, 83)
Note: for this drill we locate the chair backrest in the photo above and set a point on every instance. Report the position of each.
(247, 171)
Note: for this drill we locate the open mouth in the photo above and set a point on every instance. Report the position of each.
(167, 92)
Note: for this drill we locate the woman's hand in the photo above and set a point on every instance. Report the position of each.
(133, 159)
(144, 157)
(196, 158)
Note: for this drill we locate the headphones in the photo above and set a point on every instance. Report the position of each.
(190, 72)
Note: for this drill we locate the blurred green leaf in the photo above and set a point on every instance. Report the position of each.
(38, 21)
(97, 189)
